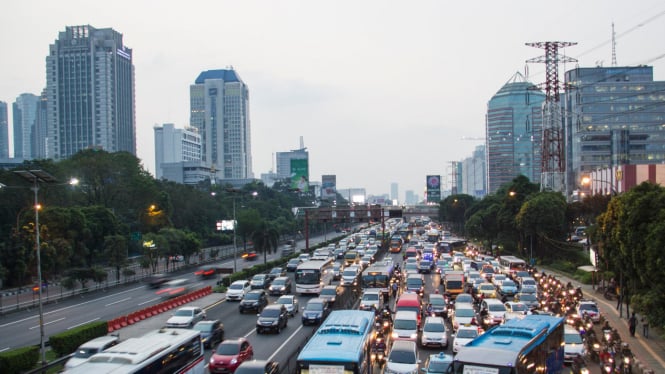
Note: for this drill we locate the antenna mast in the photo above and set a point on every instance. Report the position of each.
(614, 46)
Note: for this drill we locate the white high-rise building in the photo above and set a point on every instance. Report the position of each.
(174, 145)
(219, 104)
(24, 111)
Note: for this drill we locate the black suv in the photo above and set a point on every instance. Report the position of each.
(273, 318)
(254, 300)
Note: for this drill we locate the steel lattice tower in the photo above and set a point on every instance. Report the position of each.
(553, 162)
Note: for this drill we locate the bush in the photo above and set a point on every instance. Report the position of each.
(219, 289)
(66, 342)
(19, 360)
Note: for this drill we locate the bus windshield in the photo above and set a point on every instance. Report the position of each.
(307, 276)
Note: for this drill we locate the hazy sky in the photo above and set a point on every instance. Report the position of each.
(381, 91)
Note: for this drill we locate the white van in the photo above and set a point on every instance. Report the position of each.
(405, 325)
(90, 348)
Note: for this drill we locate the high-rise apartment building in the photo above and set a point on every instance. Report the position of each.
(24, 111)
(283, 161)
(514, 133)
(394, 192)
(90, 92)
(473, 173)
(614, 116)
(174, 145)
(40, 131)
(219, 109)
(4, 131)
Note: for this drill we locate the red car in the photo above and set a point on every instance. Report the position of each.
(229, 355)
(250, 256)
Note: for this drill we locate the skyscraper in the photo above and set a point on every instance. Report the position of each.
(24, 111)
(90, 92)
(4, 131)
(174, 145)
(615, 117)
(514, 133)
(219, 104)
(394, 192)
(40, 130)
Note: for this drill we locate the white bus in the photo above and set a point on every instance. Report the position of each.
(511, 264)
(161, 351)
(313, 275)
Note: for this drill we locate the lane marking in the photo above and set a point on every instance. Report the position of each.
(81, 324)
(149, 301)
(283, 344)
(250, 333)
(119, 301)
(47, 323)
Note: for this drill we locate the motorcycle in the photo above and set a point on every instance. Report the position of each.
(579, 366)
(378, 351)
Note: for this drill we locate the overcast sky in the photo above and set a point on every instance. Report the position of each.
(381, 91)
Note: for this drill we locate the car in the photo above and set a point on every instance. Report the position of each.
(437, 363)
(528, 281)
(276, 272)
(434, 333)
(258, 367)
(329, 294)
(350, 275)
(507, 288)
(339, 253)
(338, 269)
(290, 303)
(463, 335)
(156, 280)
(304, 257)
(405, 325)
(292, 265)
(464, 298)
(87, 349)
(529, 289)
(529, 299)
(366, 260)
(403, 358)
(372, 299)
(439, 305)
(254, 300)
(250, 256)
(496, 312)
(464, 315)
(212, 332)
(259, 281)
(573, 344)
(425, 266)
(410, 268)
(237, 290)
(415, 283)
(186, 317)
(280, 286)
(174, 288)
(487, 290)
(497, 279)
(315, 311)
(273, 317)
(230, 354)
(588, 308)
(515, 309)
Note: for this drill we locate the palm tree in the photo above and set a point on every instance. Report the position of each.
(265, 240)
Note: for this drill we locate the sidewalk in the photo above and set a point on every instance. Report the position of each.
(649, 353)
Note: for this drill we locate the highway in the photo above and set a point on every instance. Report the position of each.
(22, 328)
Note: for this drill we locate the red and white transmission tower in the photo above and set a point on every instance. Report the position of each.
(553, 161)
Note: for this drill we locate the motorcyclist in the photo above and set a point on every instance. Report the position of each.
(429, 309)
(379, 345)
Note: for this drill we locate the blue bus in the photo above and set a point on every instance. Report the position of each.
(533, 344)
(341, 345)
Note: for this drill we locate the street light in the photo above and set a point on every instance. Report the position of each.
(590, 182)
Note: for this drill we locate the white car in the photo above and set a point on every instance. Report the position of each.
(574, 345)
(402, 358)
(90, 348)
(515, 309)
(290, 302)
(186, 317)
(434, 333)
(464, 315)
(588, 308)
(238, 289)
(464, 335)
(350, 276)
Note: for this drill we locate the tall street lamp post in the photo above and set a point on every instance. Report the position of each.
(37, 176)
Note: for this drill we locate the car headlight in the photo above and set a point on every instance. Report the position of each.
(395, 335)
(413, 336)
(275, 323)
(234, 361)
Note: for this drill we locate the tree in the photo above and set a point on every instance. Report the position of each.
(115, 251)
(542, 216)
(265, 240)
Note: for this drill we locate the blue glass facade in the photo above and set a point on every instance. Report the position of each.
(514, 133)
(614, 116)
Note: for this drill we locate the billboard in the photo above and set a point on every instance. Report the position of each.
(433, 188)
(299, 174)
(328, 187)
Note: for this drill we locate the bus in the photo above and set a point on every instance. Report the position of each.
(533, 344)
(511, 264)
(396, 244)
(313, 275)
(378, 276)
(165, 350)
(341, 345)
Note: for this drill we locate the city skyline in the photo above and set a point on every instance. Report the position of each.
(387, 97)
